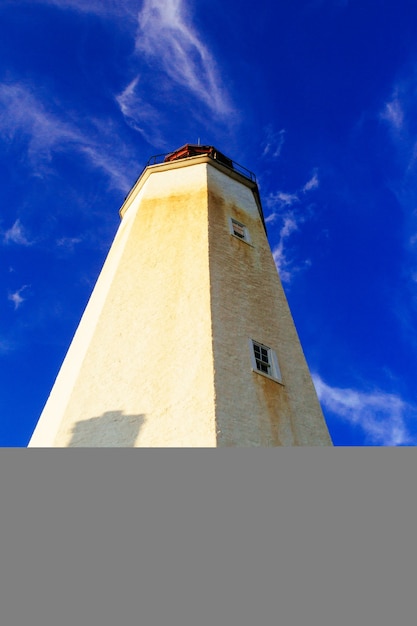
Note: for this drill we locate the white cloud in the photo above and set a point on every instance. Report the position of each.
(68, 243)
(283, 264)
(167, 37)
(398, 113)
(17, 297)
(283, 200)
(16, 234)
(109, 163)
(393, 113)
(25, 117)
(382, 416)
(21, 111)
(140, 114)
(313, 183)
(103, 8)
(289, 226)
(283, 207)
(273, 143)
(128, 99)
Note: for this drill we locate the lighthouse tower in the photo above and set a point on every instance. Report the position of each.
(187, 339)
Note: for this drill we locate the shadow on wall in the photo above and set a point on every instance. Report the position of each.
(113, 429)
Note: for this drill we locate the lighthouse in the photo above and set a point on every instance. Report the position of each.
(187, 339)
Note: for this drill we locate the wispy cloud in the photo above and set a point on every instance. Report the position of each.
(273, 143)
(282, 262)
(167, 37)
(46, 131)
(283, 208)
(382, 416)
(398, 115)
(313, 183)
(22, 112)
(68, 243)
(281, 200)
(17, 298)
(110, 162)
(397, 112)
(393, 113)
(171, 44)
(140, 114)
(16, 234)
(103, 8)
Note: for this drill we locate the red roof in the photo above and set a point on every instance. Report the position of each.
(189, 150)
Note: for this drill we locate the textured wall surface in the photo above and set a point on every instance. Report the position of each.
(161, 355)
(140, 369)
(248, 302)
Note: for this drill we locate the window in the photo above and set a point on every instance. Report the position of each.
(239, 230)
(264, 360)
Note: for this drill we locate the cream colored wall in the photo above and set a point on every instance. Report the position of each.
(161, 356)
(52, 415)
(140, 369)
(248, 302)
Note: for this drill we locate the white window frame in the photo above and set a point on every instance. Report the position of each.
(274, 372)
(246, 237)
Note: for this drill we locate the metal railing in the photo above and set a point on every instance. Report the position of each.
(233, 165)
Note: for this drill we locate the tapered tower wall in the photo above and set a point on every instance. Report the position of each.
(140, 369)
(161, 356)
(248, 303)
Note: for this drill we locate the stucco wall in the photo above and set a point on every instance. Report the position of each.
(248, 302)
(141, 367)
(161, 355)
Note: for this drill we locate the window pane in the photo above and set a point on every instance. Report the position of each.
(239, 229)
(262, 367)
(262, 359)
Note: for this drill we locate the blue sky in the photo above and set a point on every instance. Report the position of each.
(317, 97)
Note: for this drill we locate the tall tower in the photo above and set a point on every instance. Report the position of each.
(187, 339)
